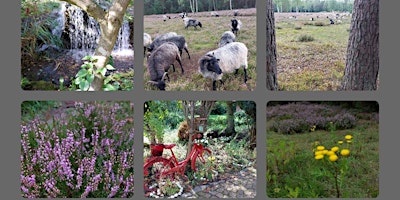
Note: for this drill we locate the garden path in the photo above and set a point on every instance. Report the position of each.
(240, 184)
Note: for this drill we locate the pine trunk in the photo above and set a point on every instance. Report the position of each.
(362, 62)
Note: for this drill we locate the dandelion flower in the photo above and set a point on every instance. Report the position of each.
(319, 157)
(340, 142)
(348, 141)
(333, 157)
(329, 153)
(335, 148)
(320, 148)
(348, 137)
(345, 152)
(318, 153)
(325, 151)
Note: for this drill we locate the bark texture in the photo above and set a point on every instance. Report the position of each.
(362, 61)
(271, 63)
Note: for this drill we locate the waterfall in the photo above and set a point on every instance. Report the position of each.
(81, 32)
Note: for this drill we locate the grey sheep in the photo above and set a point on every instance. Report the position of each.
(160, 61)
(146, 41)
(178, 40)
(165, 35)
(191, 22)
(227, 37)
(225, 59)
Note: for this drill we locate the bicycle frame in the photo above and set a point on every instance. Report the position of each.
(197, 151)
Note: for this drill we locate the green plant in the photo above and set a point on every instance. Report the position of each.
(306, 38)
(336, 164)
(86, 75)
(25, 82)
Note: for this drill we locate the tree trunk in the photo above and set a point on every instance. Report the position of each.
(190, 144)
(230, 4)
(110, 22)
(362, 62)
(230, 128)
(271, 63)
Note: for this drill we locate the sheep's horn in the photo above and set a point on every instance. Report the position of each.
(152, 82)
(165, 73)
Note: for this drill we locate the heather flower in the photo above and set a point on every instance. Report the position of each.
(78, 153)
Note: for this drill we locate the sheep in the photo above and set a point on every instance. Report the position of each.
(235, 25)
(191, 22)
(182, 15)
(331, 21)
(214, 14)
(165, 35)
(178, 40)
(146, 41)
(160, 61)
(225, 59)
(227, 37)
(165, 17)
(235, 12)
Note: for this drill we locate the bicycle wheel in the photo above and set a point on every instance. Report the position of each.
(200, 156)
(154, 169)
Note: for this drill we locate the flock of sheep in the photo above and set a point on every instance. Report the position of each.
(162, 52)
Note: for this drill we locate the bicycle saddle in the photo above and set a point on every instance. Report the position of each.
(169, 146)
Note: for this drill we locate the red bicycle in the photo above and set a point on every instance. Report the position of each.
(160, 167)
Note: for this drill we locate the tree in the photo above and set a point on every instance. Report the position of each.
(272, 82)
(110, 22)
(230, 123)
(362, 61)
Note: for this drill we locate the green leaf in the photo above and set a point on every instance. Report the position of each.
(87, 58)
(109, 87)
(103, 71)
(110, 67)
(81, 73)
(90, 78)
(84, 85)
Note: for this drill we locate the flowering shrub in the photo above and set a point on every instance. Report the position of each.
(86, 151)
(301, 117)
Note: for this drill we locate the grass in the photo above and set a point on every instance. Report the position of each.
(200, 41)
(293, 172)
(311, 65)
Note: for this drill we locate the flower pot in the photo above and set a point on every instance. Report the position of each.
(157, 149)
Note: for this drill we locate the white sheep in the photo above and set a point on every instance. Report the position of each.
(146, 41)
(227, 37)
(226, 59)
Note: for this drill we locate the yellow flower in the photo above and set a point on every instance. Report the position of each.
(345, 152)
(318, 153)
(348, 137)
(335, 148)
(325, 151)
(320, 148)
(340, 142)
(330, 153)
(211, 158)
(319, 157)
(333, 157)
(348, 141)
